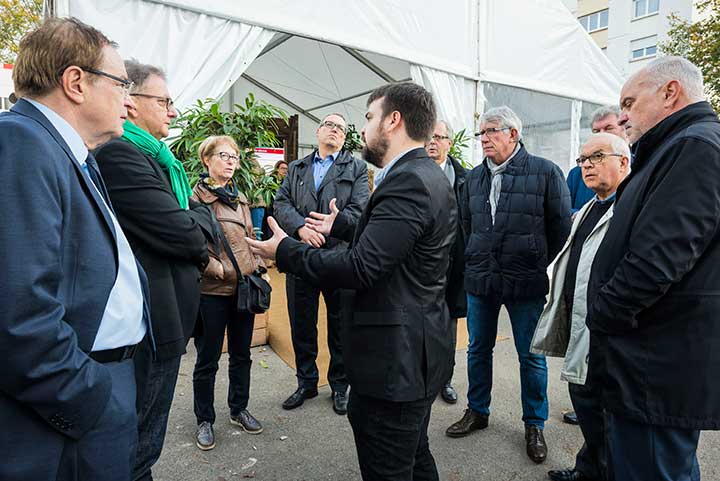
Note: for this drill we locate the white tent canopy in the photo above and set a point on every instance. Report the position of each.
(313, 58)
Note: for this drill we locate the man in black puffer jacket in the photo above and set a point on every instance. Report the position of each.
(515, 212)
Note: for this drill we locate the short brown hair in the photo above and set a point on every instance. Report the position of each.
(46, 52)
(415, 104)
(207, 148)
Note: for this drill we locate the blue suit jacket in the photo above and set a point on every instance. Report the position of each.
(59, 264)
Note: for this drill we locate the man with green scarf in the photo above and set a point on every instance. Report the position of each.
(149, 191)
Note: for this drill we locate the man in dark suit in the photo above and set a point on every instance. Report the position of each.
(149, 191)
(72, 292)
(397, 337)
(309, 185)
(438, 148)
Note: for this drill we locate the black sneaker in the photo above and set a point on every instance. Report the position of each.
(205, 437)
(246, 421)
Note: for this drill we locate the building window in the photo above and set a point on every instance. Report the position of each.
(595, 21)
(643, 8)
(643, 48)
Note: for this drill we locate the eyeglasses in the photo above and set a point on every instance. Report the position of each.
(224, 156)
(438, 138)
(167, 101)
(492, 130)
(332, 125)
(126, 84)
(595, 158)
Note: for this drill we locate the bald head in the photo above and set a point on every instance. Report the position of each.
(665, 86)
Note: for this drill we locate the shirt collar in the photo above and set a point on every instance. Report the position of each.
(610, 198)
(66, 131)
(317, 157)
(380, 174)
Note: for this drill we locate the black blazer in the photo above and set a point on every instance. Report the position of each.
(654, 289)
(396, 327)
(346, 181)
(167, 240)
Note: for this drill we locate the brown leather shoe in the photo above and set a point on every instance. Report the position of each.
(471, 421)
(536, 447)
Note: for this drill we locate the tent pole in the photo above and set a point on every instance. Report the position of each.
(289, 102)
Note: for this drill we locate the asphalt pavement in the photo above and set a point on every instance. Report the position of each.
(313, 443)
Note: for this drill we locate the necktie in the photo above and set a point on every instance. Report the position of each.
(91, 168)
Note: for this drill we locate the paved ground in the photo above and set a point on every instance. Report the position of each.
(312, 443)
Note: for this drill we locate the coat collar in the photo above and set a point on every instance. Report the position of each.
(206, 196)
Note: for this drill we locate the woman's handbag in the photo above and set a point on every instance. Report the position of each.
(253, 292)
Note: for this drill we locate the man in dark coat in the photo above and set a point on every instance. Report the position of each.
(167, 241)
(72, 292)
(515, 210)
(653, 294)
(397, 327)
(438, 149)
(327, 173)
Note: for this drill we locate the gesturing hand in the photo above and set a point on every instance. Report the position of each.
(322, 223)
(311, 237)
(268, 249)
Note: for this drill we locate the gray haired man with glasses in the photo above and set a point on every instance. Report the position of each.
(328, 174)
(515, 211)
(561, 331)
(150, 193)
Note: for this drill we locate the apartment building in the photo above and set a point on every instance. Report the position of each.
(629, 31)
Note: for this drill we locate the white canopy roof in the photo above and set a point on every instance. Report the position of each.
(315, 57)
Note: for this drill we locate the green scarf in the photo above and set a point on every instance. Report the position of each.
(160, 152)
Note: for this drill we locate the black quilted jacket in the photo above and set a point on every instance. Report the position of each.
(509, 259)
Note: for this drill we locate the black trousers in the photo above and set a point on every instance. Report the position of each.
(592, 459)
(453, 334)
(303, 302)
(217, 313)
(391, 438)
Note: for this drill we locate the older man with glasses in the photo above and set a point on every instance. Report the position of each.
(311, 183)
(605, 162)
(150, 193)
(515, 210)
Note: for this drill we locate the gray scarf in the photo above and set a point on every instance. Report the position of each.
(496, 171)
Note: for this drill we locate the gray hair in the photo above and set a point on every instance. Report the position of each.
(138, 73)
(450, 131)
(664, 69)
(604, 111)
(619, 146)
(504, 116)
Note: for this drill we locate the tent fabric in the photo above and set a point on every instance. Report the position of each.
(202, 55)
(313, 58)
(453, 95)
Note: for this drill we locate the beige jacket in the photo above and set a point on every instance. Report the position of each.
(556, 335)
(220, 278)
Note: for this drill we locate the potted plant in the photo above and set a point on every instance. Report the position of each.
(251, 124)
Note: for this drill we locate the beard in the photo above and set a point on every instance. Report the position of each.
(375, 154)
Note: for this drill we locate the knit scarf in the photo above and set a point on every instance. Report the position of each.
(496, 171)
(161, 153)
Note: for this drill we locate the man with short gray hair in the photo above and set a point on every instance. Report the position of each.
(150, 193)
(561, 331)
(653, 290)
(515, 210)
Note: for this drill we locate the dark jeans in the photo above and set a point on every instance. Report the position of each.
(217, 313)
(482, 323)
(303, 302)
(391, 438)
(156, 379)
(643, 452)
(591, 460)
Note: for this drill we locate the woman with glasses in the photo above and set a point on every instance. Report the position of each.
(218, 304)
